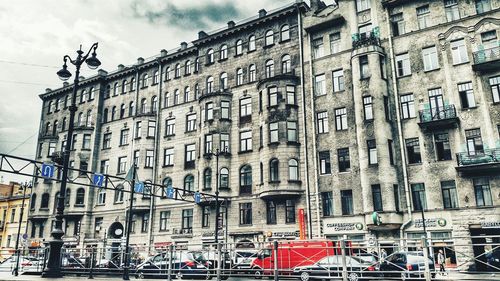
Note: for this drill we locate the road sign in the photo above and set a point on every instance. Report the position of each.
(25, 236)
(197, 197)
(98, 180)
(170, 192)
(47, 170)
(139, 186)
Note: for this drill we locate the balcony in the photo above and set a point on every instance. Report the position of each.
(440, 118)
(360, 40)
(487, 59)
(277, 191)
(484, 163)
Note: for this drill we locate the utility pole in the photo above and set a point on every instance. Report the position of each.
(25, 186)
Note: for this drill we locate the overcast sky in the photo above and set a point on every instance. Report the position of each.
(36, 34)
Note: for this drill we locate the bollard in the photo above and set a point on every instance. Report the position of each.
(344, 262)
(427, 273)
(91, 271)
(275, 260)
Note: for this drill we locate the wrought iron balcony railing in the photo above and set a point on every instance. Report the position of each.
(486, 55)
(436, 114)
(487, 156)
(366, 39)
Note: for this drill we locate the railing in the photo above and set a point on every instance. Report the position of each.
(486, 55)
(365, 39)
(441, 113)
(484, 157)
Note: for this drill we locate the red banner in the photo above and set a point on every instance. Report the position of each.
(302, 225)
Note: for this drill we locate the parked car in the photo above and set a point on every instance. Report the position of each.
(26, 264)
(369, 258)
(242, 260)
(211, 257)
(189, 264)
(331, 267)
(406, 265)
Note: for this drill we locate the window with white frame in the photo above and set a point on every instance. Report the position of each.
(403, 64)
(285, 32)
(224, 142)
(273, 132)
(318, 48)
(291, 131)
(251, 43)
(224, 109)
(319, 85)
(122, 165)
(325, 166)
(170, 127)
(151, 128)
(459, 51)
(251, 73)
(423, 16)
(246, 141)
(368, 107)
(191, 122)
(210, 84)
(269, 68)
(495, 88)
(190, 153)
(209, 143)
(338, 80)
(210, 56)
(291, 97)
(239, 47)
(362, 5)
(341, 119)
(322, 118)
(286, 64)
(451, 10)
(245, 107)
(407, 106)
(209, 111)
(466, 94)
(223, 81)
(398, 24)
(239, 76)
(335, 43)
(149, 159)
(269, 38)
(372, 152)
(223, 52)
(273, 95)
(430, 58)
(168, 156)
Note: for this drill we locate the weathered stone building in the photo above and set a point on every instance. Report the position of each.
(359, 112)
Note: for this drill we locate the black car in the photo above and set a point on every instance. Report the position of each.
(188, 264)
(213, 260)
(406, 265)
(331, 267)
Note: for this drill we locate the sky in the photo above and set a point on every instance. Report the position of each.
(36, 34)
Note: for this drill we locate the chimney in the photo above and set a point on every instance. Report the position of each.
(230, 24)
(184, 45)
(48, 90)
(202, 34)
(140, 60)
(102, 72)
(317, 5)
(163, 52)
(262, 13)
(121, 66)
(65, 84)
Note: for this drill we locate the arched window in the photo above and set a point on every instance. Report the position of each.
(196, 91)
(124, 86)
(269, 68)
(189, 183)
(88, 118)
(81, 120)
(91, 94)
(293, 170)
(187, 67)
(63, 125)
(122, 111)
(176, 96)
(131, 109)
(67, 197)
(80, 196)
(48, 128)
(167, 99)
(210, 84)
(167, 183)
(239, 76)
(246, 179)
(105, 116)
(274, 170)
(132, 84)
(269, 38)
(223, 81)
(155, 77)
(286, 64)
(167, 73)
(83, 96)
(178, 70)
(197, 65)
(223, 52)
(54, 129)
(113, 113)
(108, 91)
(251, 43)
(115, 89)
(33, 201)
(224, 178)
(101, 196)
(44, 204)
(57, 105)
(154, 104)
(239, 47)
(210, 56)
(49, 107)
(144, 106)
(118, 198)
(251, 73)
(145, 78)
(285, 32)
(66, 101)
(187, 91)
(207, 179)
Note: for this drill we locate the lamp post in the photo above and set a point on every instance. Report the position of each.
(53, 268)
(217, 153)
(25, 186)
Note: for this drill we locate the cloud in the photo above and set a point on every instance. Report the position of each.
(199, 16)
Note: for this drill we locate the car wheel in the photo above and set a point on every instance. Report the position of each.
(257, 274)
(403, 276)
(139, 275)
(305, 276)
(179, 275)
(353, 276)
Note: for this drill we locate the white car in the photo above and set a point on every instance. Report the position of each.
(26, 264)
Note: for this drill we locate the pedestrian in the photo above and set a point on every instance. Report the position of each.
(383, 256)
(441, 262)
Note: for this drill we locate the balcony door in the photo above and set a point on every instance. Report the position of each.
(436, 103)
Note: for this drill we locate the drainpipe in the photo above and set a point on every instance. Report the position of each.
(304, 119)
(155, 156)
(400, 133)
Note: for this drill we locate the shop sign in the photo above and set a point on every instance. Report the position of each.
(345, 226)
(211, 234)
(283, 234)
(430, 222)
(490, 224)
(302, 225)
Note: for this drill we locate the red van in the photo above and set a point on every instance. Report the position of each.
(292, 254)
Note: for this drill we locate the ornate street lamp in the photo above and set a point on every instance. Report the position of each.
(25, 187)
(53, 268)
(217, 153)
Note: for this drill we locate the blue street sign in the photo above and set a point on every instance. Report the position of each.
(98, 180)
(170, 192)
(47, 170)
(25, 236)
(197, 197)
(139, 187)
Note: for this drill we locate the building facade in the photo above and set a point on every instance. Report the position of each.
(362, 113)
(11, 201)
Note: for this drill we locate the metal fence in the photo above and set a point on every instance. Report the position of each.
(405, 259)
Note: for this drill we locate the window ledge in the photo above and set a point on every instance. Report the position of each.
(209, 63)
(286, 40)
(415, 164)
(238, 55)
(187, 74)
(147, 167)
(117, 203)
(150, 137)
(246, 151)
(467, 108)
(226, 119)
(294, 143)
(166, 166)
(367, 78)
(274, 182)
(268, 46)
(274, 143)
(251, 51)
(295, 181)
(431, 70)
(224, 59)
(137, 138)
(404, 76)
(460, 63)
(144, 87)
(79, 205)
(168, 136)
(122, 145)
(121, 173)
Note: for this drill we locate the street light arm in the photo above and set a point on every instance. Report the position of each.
(80, 59)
